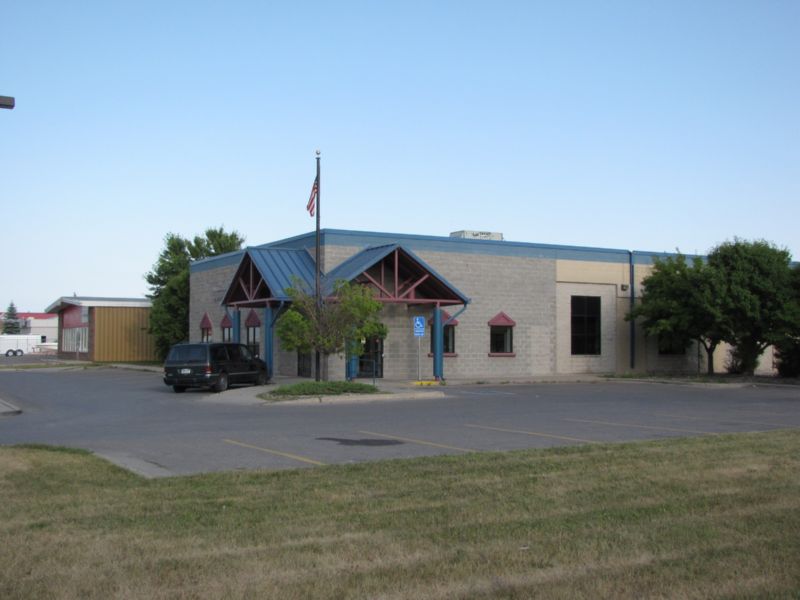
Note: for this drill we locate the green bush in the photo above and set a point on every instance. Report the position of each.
(324, 388)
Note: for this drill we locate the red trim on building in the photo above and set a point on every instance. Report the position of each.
(252, 319)
(205, 322)
(501, 319)
(226, 322)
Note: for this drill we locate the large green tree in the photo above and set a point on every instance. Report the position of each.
(11, 320)
(757, 299)
(169, 282)
(340, 322)
(681, 303)
(789, 347)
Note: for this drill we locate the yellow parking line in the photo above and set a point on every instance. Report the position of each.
(715, 420)
(641, 426)
(275, 452)
(413, 441)
(535, 433)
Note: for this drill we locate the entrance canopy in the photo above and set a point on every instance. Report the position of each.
(264, 275)
(395, 273)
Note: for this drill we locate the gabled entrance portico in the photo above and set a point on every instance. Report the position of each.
(394, 273)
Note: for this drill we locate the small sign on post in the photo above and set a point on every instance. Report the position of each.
(419, 332)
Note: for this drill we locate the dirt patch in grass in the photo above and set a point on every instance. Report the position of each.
(703, 517)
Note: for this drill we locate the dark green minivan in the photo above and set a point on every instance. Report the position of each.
(212, 365)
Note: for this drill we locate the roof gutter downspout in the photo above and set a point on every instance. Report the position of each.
(438, 340)
(632, 322)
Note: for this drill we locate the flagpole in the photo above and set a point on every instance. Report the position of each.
(318, 291)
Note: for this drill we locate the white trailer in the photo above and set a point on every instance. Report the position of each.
(17, 345)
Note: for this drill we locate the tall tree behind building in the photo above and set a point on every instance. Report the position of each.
(169, 282)
(11, 320)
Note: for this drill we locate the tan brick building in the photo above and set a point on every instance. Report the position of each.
(520, 309)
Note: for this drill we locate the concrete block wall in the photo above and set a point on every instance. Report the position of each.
(206, 291)
(522, 288)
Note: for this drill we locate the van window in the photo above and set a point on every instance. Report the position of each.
(218, 353)
(187, 353)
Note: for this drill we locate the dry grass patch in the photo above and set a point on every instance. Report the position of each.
(704, 517)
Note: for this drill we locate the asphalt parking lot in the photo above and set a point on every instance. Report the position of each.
(134, 420)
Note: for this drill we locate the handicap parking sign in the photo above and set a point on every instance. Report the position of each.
(419, 326)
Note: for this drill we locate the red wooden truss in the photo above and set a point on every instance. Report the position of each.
(400, 278)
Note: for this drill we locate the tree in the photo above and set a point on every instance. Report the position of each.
(680, 303)
(789, 347)
(340, 323)
(756, 297)
(169, 282)
(11, 320)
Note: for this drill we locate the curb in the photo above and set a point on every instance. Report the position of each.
(8, 409)
(355, 398)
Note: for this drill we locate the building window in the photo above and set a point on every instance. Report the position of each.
(501, 335)
(448, 339)
(75, 339)
(253, 339)
(501, 340)
(585, 325)
(205, 328)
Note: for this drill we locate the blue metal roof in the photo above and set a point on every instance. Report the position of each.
(357, 264)
(281, 267)
(428, 243)
(361, 261)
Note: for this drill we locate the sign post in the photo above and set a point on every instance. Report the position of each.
(419, 332)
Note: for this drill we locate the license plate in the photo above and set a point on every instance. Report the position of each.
(186, 371)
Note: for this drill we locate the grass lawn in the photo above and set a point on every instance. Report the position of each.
(715, 516)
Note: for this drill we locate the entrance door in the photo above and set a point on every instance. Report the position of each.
(370, 363)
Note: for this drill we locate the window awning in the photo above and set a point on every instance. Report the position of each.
(501, 319)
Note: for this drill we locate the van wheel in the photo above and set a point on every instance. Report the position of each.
(179, 389)
(10, 353)
(19, 353)
(222, 383)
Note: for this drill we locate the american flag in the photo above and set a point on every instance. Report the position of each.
(312, 200)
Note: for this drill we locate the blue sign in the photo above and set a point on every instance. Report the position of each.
(419, 326)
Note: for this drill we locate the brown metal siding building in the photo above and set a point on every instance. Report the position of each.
(104, 329)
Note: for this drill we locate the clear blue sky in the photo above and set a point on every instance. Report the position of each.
(643, 125)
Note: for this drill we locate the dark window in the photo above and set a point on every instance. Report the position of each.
(218, 353)
(234, 352)
(501, 339)
(227, 334)
(188, 353)
(253, 339)
(205, 334)
(585, 325)
(448, 339)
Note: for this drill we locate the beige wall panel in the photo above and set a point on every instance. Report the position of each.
(121, 334)
(592, 272)
(606, 361)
